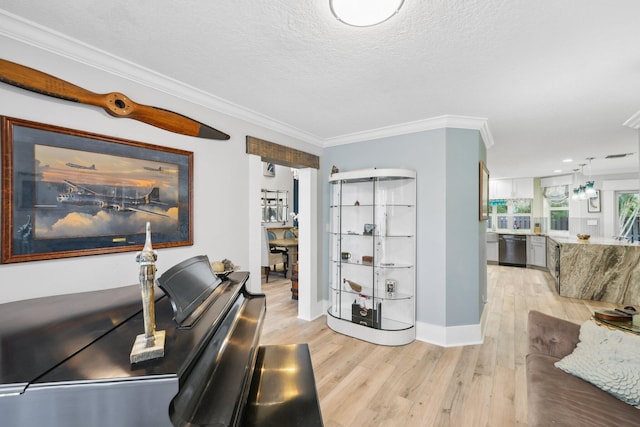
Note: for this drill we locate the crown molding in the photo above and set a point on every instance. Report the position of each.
(633, 121)
(440, 122)
(30, 33)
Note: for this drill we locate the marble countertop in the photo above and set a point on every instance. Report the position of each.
(571, 239)
(592, 241)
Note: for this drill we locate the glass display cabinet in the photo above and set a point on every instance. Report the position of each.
(372, 255)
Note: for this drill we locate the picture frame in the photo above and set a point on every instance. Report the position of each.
(68, 193)
(483, 192)
(268, 169)
(593, 204)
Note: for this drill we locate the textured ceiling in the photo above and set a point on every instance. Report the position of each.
(555, 79)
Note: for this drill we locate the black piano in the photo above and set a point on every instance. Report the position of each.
(64, 360)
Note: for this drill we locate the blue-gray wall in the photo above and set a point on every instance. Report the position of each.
(466, 236)
(450, 255)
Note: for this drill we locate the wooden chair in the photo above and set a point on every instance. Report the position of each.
(273, 257)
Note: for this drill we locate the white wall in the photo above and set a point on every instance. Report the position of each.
(221, 175)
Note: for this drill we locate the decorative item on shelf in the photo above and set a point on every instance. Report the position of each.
(367, 259)
(345, 256)
(368, 229)
(536, 228)
(357, 203)
(353, 285)
(362, 315)
(584, 237)
(334, 169)
(390, 286)
(149, 345)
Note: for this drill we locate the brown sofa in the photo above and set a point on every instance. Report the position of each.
(557, 398)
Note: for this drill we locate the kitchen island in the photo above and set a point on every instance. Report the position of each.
(599, 269)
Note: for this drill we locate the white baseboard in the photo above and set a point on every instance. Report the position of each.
(452, 336)
(449, 336)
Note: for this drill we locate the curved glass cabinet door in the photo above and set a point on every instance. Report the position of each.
(372, 255)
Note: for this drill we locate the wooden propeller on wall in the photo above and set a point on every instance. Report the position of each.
(114, 103)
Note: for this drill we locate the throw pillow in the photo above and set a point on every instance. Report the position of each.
(609, 360)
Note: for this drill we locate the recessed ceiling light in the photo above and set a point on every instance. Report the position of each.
(567, 160)
(364, 13)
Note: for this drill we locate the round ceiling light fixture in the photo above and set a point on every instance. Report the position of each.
(364, 13)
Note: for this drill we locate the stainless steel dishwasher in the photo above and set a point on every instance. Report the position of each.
(512, 250)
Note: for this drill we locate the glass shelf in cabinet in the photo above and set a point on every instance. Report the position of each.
(362, 205)
(393, 296)
(360, 263)
(392, 265)
(352, 233)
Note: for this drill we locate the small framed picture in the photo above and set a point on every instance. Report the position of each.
(269, 169)
(368, 229)
(484, 192)
(593, 204)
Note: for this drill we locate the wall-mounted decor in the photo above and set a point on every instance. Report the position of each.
(70, 193)
(484, 192)
(269, 169)
(593, 204)
(114, 103)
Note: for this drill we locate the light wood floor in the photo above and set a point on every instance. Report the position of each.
(420, 384)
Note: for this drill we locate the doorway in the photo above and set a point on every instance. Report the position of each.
(279, 210)
(310, 304)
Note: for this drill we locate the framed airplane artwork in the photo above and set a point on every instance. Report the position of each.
(71, 193)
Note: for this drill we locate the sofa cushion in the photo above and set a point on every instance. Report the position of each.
(560, 399)
(608, 359)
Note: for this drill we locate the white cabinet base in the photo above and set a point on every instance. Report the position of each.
(375, 336)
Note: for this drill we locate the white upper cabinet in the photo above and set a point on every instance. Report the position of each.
(521, 188)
